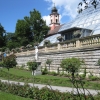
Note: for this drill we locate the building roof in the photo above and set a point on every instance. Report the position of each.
(89, 19)
(55, 31)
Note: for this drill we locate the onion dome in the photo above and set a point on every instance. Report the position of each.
(54, 10)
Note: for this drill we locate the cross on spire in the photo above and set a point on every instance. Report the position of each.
(54, 4)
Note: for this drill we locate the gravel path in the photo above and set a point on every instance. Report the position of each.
(61, 89)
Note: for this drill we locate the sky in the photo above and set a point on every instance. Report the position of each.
(13, 10)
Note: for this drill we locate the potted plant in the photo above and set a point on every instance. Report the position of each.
(59, 38)
(77, 34)
(36, 44)
(46, 42)
(49, 61)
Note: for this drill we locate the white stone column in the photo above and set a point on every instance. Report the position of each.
(36, 53)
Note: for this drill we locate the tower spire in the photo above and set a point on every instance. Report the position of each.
(54, 4)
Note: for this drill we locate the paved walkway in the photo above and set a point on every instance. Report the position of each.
(61, 89)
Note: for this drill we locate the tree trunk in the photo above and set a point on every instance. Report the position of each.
(49, 67)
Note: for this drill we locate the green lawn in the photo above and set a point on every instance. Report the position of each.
(18, 72)
(28, 74)
(8, 96)
(25, 76)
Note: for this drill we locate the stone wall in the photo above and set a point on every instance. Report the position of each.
(23, 59)
(90, 54)
(87, 49)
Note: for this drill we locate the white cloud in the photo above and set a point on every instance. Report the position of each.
(66, 8)
(47, 18)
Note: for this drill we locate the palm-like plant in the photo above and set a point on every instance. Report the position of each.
(49, 61)
(32, 66)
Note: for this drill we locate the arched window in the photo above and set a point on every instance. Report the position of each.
(51, 20)
(56, 20)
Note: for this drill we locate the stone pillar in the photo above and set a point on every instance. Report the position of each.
(59, 46)
(46, 49)
(36, 53)
(78, 44)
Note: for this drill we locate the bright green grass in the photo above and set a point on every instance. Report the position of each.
(8, 96)
(18, 72)
(28, 74)
(46, 79)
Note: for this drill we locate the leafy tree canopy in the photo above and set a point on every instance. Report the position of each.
(32, 65)
(2, 36)
(31, 29)
(38, 25)
(71, 64)
(9, 61)
(23, 32)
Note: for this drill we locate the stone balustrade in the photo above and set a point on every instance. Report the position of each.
(75, 43)
(90, 40)
(70, 44)
(86, 48)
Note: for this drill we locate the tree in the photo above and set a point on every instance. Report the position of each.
(31, 29)
(38, 26)
(86, 4)
(32, 66)
(23, 32)
(9, 61)
(49, 61)
(11, 41)
(71, 65)
(2, 36)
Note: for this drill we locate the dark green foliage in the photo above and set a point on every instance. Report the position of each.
(49, 61)
(40, 94)
(37, 25)
(23, 32)
(1, 64)
(11, 41)
(98, 62)
(31, 29)
(9, 61)
(32, 65)
(47, 43)
(84, 73)
(53, 73)
(44, 71)
(2, 36)
(60, 38)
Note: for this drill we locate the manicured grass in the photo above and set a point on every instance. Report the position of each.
(8, 96)
(18, 72)
(28, 74)
(25, 76)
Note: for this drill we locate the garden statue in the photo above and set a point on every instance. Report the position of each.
(36, 53)
(38, 69)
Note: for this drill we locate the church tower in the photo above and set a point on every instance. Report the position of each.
(54, 18)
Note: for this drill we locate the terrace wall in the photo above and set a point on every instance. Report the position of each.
(87, 48)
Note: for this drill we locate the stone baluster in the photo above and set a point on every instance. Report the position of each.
(98, 39)
(78, 44)
(90, 41)
(46, 49)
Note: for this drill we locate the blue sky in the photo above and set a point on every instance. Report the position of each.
(12, 10)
